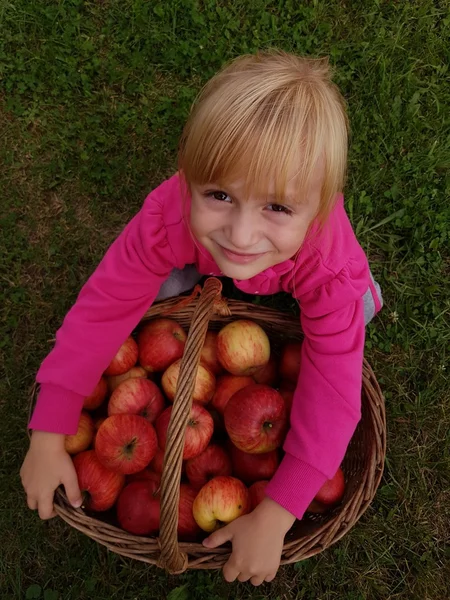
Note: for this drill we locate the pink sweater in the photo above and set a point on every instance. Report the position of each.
(328, 278)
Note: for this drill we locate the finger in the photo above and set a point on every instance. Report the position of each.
(219, 537)
(270, 578)
(256, 580)
(70, 483)
(45, 508)
(32, 503)
(230, 572)
(244, 576)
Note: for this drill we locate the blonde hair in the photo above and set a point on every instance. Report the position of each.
(263, 117)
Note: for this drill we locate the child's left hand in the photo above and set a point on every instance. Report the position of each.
(257, 540)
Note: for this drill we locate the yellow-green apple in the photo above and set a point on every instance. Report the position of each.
(137, 396)
(126, 443)
(138, 507)
(188, 530)
(161, 342)
(211, 462)
(99, 485)
(257, 493)
(251, 467)
(199, 430)
(125, 358)
(268, 373)
(226, 386)
(329, 494)
(114, 380)
(208, 357)
(81, 440)
(205, 383)
(219, 502)
(242, 347)
(256, 419)
(290, 361)
(95, 399)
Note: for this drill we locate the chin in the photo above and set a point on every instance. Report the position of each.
(240, 272)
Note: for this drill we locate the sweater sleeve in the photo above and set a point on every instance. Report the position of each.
(326, 406)
(108, 308)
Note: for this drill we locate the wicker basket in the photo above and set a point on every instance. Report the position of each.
(362, 465)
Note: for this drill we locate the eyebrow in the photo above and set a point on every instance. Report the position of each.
(269, 198)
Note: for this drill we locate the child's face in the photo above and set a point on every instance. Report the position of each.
(248, 235)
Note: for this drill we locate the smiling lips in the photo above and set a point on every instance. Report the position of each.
(239, 257)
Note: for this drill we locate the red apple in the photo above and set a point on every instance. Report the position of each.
(242, 347)
(114, 380)
(95, 399)
(268, 373)
(211, 462)
(188, 530)
(205, 383)
(125, 358)
(82, 439)
(257, 493)
(126, 443)
(208, 356)
(138, 508)
(144, 475)
(226, 386)
(290, 361)
(100, 485)
(199, 430)
(251, 467)
(256, 419)
(161, 342)
(329, 494)
(157, 461)
(287, 391)
(137, 397)
(220, 501)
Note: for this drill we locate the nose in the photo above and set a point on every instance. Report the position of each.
(242, 231)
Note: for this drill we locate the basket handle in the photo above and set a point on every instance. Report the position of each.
(172, 559)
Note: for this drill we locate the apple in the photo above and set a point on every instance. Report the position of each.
(287, 390)
(329, 494)
(95, 399)
(257, 493)
(161, 342)
(188, 530)
(125, 358)
(144, 475)
(138, 508)
(97, 422)
(199, 430)
(81, 440)
(290, 361)
(114, 380)
(211, 462)
(256, 419)
(268, 373)
(137, 396)
(226, 386)
(208, 357)
(126, 443)
(242, 347)
(220, 501)
(219, 426)
(251, 467)
(205, 383)
(157, 461)
(100, 486)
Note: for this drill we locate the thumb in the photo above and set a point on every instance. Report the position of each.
(70, 483)
(219, 537)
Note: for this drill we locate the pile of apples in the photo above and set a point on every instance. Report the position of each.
(238, 422)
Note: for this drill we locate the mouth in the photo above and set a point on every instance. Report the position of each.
(241, 257)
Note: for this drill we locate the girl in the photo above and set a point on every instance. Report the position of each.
(257, 198)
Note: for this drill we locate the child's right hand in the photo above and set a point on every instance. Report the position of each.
(46, 466)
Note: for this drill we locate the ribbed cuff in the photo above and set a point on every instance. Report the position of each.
(57, 410)
(294, 485)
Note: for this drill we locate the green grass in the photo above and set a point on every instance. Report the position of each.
(93, 96)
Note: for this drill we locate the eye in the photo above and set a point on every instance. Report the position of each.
(218, 195)
(279, 208)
